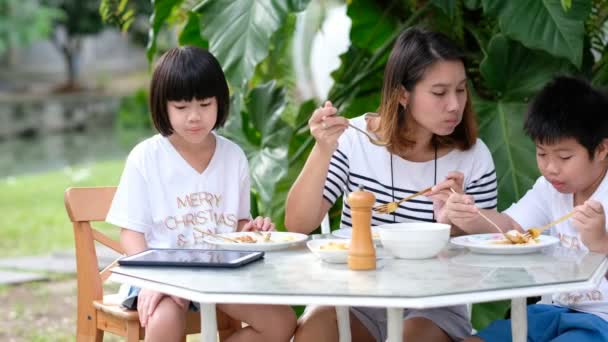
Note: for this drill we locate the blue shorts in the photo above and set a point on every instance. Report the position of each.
(130, 302)
(552, 323)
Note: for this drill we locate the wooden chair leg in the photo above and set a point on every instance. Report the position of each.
(133, 331)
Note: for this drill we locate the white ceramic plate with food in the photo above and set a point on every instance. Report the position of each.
(346, 233)
(333, 251)
(494, 244)
(252, 241)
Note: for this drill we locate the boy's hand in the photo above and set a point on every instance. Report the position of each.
(590, 221)
(147, 301)
(259, 223)
(442, 191)
(460, 209)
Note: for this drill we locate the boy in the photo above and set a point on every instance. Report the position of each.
(569, 124)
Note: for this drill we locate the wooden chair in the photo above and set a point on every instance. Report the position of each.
(98, 313)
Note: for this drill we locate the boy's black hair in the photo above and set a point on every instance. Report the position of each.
(186, 73)
(568, 107)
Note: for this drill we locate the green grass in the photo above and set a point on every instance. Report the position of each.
(33, 218)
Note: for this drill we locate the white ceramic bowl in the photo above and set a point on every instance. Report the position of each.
(334, 256)
(414, 240)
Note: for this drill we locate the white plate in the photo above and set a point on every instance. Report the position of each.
(345, 233)
(278, 240)
(486, 243)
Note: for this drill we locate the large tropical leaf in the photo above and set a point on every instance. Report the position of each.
(515, 72)
(484, 313)
(543, 24)
(447, 6)
(500, 125)
(372, 24)
(239, 32)
(257, 127)
(191, 33)
(162, 11)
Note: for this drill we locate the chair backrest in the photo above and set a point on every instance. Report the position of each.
(86, 205)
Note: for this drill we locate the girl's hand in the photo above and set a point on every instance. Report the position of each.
(442, 191)
(590, 221)
(147, 301)
(326, 127)
(259, 223)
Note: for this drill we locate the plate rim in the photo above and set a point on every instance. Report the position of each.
(456, 241)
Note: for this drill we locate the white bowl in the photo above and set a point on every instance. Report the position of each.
(414, 240)
(334, 256)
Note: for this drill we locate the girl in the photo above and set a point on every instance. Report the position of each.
(186, 180)
(429, 127)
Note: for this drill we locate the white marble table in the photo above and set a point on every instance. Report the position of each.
(295, 276)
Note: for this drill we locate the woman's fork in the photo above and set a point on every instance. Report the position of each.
(390, 207)
(371, 139)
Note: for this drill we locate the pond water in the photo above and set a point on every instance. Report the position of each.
(19, 156)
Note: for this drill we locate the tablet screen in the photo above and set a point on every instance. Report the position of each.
(191, 257)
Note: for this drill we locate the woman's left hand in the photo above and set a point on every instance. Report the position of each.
(441, 192)
(259, 223)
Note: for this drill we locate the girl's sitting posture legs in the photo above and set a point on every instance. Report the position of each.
(167, 323)
(320, 324)
(266, 323)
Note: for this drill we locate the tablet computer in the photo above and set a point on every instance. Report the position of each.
(190, 258)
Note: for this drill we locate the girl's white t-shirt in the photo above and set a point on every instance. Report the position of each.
(390, 177)
(162, 196)
(543, 204)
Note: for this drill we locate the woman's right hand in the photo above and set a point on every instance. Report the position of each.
(147, 301)
(460, 209)
(326, 126)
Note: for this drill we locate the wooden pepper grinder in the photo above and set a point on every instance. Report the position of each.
(361, 254)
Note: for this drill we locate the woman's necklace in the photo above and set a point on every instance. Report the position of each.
(393, 179)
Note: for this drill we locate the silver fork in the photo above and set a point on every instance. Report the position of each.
(369, 137)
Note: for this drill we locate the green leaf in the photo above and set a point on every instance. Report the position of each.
(239, 32)
(447, 6)
(472, 4)
(543, 24)
(257, 127)
(515, 72)
(191, 33)
(501, 128)
(566, 5)
(297, 5)
(162, 11)
(372, 24)
(484, 313)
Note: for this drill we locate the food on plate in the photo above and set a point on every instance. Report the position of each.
(334, 246)
(246, 239)
(516, 238)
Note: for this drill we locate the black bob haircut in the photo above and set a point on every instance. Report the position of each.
(182, 74)
(568, 107)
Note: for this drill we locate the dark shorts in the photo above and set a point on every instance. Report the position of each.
(130, 302)
(552, 323)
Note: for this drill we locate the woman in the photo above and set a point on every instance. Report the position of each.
(429, 128)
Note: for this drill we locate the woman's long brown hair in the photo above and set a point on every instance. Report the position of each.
(413, 53)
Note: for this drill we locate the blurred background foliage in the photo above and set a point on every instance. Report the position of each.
(513, 48)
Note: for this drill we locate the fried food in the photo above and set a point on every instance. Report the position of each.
(334, 246)
(516, 238)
